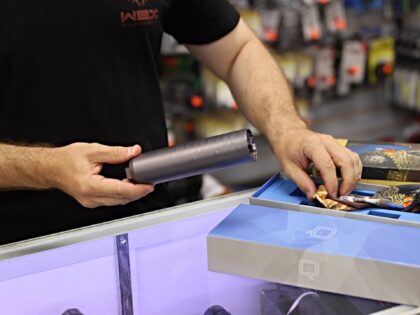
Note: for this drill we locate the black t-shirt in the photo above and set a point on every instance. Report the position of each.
(87, 70)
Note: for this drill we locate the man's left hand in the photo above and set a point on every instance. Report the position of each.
(296, 148)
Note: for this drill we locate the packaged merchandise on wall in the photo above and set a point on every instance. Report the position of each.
(327, 49)
(381, 58)
(290, 32)
(352, 66)
(311, 23)
(325, 68)
(335, 17)
(270, 20)
(304, 71)
(406, 79)
(407, 6)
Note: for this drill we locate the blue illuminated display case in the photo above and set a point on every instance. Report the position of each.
(155, 263)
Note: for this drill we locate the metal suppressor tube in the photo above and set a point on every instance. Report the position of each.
(193, 158)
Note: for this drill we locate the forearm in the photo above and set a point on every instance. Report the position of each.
(265, 98)
(262, 91)
(25, 167)
(74, 169)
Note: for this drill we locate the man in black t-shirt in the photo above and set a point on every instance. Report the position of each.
(79, 95)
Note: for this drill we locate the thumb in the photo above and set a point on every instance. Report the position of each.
(115, 154)
(301, 179)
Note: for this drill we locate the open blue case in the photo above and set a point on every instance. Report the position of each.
(282, 193)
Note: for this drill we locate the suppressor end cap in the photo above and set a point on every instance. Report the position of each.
(252, 147)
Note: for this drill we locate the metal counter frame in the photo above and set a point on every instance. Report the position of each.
(116, 227)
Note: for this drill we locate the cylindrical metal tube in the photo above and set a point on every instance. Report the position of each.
(193, 158)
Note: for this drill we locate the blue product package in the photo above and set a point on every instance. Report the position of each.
(368, 259)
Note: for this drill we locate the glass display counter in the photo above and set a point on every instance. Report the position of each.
(148, 264)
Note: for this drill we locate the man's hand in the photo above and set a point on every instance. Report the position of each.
(266, 100)
(76, 171)
(295, 149)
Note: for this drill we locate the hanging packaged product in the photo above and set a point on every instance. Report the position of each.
(406, 79)
(290, 36)
(335, 17)
(412, 84)
(405, 86)
(324, 69)
(410, 6)
(311, 23)
(270, 25)
(352, 67)
(381, 57)
(304, 71)
(397, 82)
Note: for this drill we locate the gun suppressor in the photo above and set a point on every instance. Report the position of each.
(193, 158)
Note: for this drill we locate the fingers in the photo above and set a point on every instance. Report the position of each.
(79, 176)
(103, 191)
(113, 154)
(108, 202)
(350, 173)
(326, 166)
(327, 155)
(114, 188)
(349, 164)
(301, 178)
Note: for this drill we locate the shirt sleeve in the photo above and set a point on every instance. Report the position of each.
(200, 21)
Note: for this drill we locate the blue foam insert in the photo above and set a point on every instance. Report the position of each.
(286, 191)
(322, 233)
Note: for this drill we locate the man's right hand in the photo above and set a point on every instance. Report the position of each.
(76, 171)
